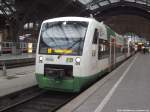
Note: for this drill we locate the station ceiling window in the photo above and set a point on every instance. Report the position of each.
(7, 6)
(94, 4)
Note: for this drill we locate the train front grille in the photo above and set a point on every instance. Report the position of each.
(58, 71)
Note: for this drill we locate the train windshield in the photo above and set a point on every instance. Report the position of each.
(65, 37)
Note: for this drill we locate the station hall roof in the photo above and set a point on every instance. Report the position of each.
(95, 4)
(38, 10)
(95, 7)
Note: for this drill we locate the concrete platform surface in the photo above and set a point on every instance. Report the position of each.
(126, 89)
(17, 79)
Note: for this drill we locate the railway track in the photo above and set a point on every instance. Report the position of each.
(34, 100)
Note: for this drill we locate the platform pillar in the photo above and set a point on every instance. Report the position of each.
(4, 70)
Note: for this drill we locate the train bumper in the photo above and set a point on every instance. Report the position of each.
(67, 85)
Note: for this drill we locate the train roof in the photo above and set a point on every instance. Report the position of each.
(69, 19)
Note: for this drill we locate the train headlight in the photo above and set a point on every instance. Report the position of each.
(41, 59)
(77, 61)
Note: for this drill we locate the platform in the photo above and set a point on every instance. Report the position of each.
(12, 60)
(17, 79)
(6, 57)
(126, 89)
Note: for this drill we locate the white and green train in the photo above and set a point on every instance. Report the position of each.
(73, 52)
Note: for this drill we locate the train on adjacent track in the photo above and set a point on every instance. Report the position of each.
(7, 47)
(73, 52)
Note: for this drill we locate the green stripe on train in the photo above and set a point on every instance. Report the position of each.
(74, 84)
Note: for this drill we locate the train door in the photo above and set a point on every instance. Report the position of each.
(94, 48)
(112, 60)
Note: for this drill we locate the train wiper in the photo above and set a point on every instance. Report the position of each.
(75, 43)
(70, 47)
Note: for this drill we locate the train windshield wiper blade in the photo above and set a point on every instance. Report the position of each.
(75, 43)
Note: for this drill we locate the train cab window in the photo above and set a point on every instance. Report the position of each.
(61, 35)
(95, 38)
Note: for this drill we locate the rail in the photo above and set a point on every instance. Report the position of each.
(35, 100)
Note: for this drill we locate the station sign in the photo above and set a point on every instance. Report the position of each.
(30, 47)
(140, 43)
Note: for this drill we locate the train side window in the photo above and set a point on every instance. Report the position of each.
(103, 49)
(100, 45)
(3, 44)
(7, 44)
(95, 38)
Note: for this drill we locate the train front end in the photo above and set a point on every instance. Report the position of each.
(59, 54)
